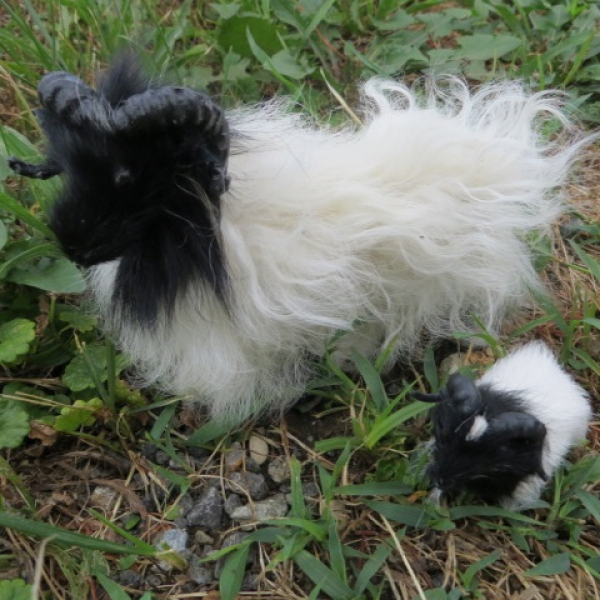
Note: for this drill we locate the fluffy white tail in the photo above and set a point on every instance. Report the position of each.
(409, 224)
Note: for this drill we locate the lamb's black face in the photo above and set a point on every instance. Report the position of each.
(490, 466)
(484, 441)
(119, 189)
(144, 169)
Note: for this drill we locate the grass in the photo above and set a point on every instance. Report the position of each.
(70, 422)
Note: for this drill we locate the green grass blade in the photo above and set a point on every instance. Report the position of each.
(69, 538)
(380, 488)
(372, 567)
(372, 381)
(555, 565)
(336, 551)
(233, 573)
(383, 427)
(407, 514)
(10, 205)
(113, 589)
(321, 575)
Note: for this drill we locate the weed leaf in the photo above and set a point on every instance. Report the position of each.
(555, 565)
(15, 339)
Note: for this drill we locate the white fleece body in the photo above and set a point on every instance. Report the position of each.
(406, 225)
(552, 396)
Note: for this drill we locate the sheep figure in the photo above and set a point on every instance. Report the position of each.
(504, 436)
(226, 250)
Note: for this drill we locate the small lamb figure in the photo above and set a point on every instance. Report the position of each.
(505, 435)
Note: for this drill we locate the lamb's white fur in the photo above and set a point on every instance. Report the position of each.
(406, 225)
(552, 396)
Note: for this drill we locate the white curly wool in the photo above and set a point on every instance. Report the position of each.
(551, 395)
(409, 224)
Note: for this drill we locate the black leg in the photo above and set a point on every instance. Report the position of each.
(41, 171)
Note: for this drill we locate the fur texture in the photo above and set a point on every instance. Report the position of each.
(513, 431)
(407, 225)
(549, 394)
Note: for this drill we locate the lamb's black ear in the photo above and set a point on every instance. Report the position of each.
(517, 426)
(464, 394)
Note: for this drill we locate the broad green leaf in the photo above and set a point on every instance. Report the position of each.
(13, 143)
(233, 573)
(15, 339)
(322, 575)
(555, 565)
(14, 424)
(78, 319)
(473, 569)
(232, 35)
(60, 276)
(290, 66)
(372, 566)
(226, 11)
(79, 376)
(113, 589)
(483, 46)
(15, 589)
(407, 514)
(81, 414)
(44, 250)
(591, 503)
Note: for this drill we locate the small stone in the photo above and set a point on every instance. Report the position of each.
(233, 539)
(176, 540)
(186, 503)
(250, 582)
(234, 459)
(253, 484)
(104, 497)
(271, 508)
(198, 453)
(129, 578)
(259, 449)
(199, 572)
(148, 450)
(252, 465)
(208, 511)
(153, 580)
(161, 458)
(201, 538)
(279, 469)
(311, 490)
(231, 503)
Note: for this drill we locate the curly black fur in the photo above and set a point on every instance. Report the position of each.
(144, 195)
(493, 464)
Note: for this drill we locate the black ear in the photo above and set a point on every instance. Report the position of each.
(464, 394)
(517, 426)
